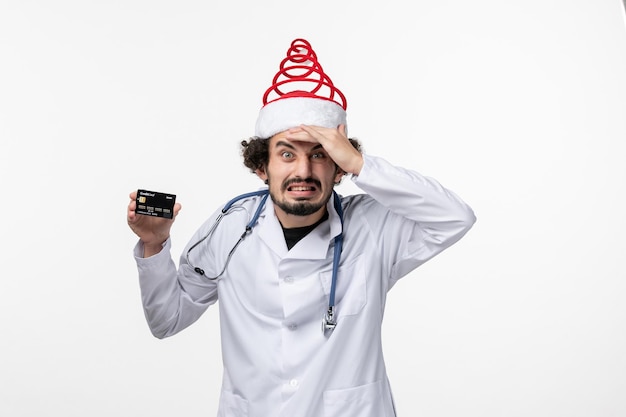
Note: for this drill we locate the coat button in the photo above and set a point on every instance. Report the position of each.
(293, 383)
(292, 326)
(289, 280)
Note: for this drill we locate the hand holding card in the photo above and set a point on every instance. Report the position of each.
(150, 216)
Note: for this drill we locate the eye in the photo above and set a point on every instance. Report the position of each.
(286, 154)
(318, 155)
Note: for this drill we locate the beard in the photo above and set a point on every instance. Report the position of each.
(300, 207)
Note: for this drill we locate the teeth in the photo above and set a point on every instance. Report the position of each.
(301, 188)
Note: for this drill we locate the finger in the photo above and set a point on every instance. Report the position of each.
(131, 216)
(327, 133)
(132, 207)
(317, 133)
(301, 135)
(177, 208)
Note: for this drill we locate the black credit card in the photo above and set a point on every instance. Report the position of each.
(152, 203)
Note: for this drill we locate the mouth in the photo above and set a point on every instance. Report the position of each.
(302, 189)
(297, 188)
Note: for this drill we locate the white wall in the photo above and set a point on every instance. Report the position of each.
(518, 106)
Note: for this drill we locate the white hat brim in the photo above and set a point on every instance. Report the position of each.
(286, 113)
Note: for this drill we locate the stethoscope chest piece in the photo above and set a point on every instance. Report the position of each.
(328, 322)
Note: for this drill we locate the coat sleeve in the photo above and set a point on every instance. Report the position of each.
(412, 217)
(173, 298)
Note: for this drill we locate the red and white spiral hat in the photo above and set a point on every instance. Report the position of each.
(301, 93)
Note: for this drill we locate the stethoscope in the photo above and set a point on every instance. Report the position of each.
(329, 321)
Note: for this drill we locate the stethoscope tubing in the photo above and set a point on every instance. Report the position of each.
(248, 230)
(329, 321)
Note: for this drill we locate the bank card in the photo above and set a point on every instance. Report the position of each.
(153, 203)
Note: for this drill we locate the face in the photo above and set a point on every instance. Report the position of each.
(301, 177)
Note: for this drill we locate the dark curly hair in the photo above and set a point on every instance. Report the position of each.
(255, 152)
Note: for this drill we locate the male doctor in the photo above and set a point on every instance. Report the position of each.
(302, 292)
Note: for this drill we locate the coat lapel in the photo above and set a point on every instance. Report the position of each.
(312, 246)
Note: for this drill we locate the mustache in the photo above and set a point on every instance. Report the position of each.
(296, 180)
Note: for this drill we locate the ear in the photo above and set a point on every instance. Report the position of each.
(260, 172)
(339, 175)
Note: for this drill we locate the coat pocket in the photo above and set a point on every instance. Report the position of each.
(363, 401)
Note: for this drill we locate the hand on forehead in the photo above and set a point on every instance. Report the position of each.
(315, 134)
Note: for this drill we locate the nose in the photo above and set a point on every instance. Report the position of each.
(303, 168)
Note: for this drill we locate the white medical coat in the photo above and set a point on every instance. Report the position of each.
(276, 360)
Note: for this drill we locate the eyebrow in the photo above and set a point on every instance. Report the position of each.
(290, 146)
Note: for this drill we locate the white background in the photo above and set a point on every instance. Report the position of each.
(518, 106)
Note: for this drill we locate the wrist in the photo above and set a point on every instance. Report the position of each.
(356, 170)
(151, 248)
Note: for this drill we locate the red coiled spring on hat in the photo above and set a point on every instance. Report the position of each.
(302, 75)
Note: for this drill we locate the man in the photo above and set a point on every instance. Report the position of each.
(306, 257)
